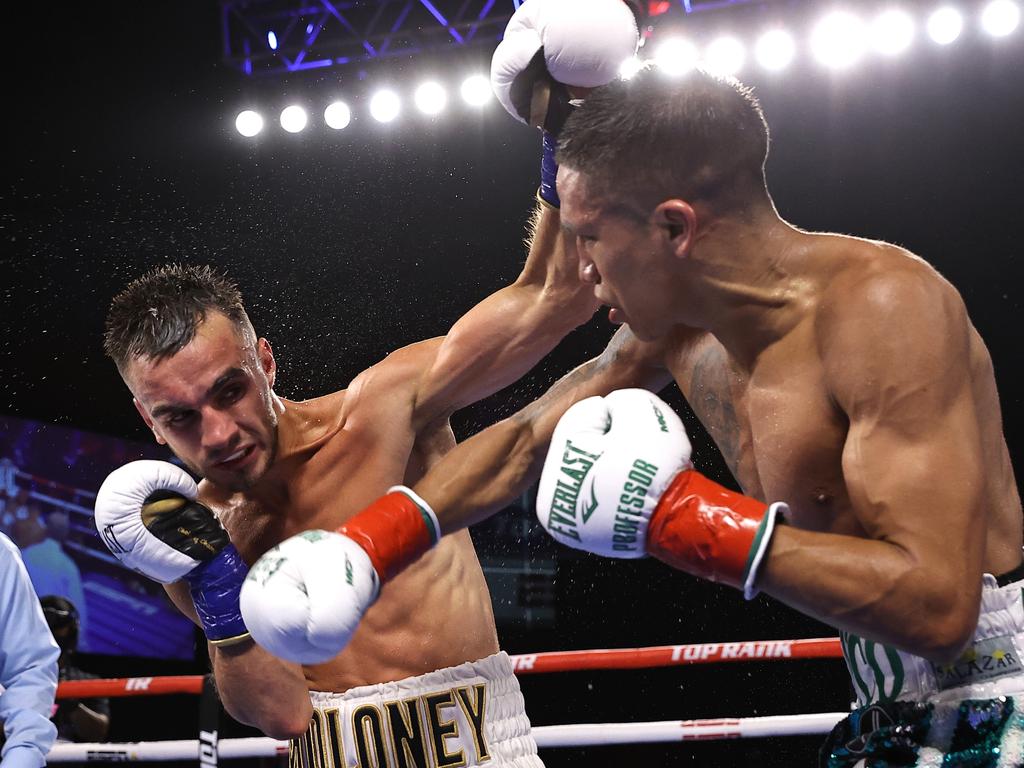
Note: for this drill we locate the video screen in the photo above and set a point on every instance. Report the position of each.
(49, 476)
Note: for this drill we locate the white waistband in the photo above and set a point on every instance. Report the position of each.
(992, 665)
(468, 715)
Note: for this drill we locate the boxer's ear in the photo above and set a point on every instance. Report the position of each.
(267, 361)
(149, 421)
(679, 222)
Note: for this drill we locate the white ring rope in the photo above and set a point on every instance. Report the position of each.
(580, 735)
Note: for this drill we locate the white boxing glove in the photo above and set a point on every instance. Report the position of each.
(609, 462)
(144, 492)
(148, 515)
(304, 598)
(549, 44)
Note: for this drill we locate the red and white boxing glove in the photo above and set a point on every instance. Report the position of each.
(304, 599)
(618, 482)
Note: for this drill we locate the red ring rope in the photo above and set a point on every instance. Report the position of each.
(523, 664)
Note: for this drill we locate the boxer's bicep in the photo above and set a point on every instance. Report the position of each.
(921, 489)
(907, 570)
(912, 456)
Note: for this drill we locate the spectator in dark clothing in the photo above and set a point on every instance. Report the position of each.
(76, 719)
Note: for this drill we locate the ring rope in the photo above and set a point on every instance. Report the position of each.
(522, 664)
(578, 735)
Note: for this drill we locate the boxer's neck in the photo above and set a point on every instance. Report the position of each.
(751, 280)
(302, 427)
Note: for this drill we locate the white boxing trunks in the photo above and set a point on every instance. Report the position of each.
(468, 715)
(916, 714)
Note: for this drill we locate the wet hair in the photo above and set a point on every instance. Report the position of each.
(157, 315)
(698, 137)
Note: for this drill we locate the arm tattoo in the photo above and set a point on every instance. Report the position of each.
(711, 398)
(576, 378)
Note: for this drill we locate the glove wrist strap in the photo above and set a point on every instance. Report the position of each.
(215, 586)
(394, 530)
(712, 532)
(549, 171)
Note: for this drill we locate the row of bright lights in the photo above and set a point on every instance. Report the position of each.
(385, 105)
(839, 40)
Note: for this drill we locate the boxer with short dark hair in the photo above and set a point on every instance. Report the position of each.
(843, 382)
(421, 679)
(203, 381)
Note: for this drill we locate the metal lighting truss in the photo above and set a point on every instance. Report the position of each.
(270, 37)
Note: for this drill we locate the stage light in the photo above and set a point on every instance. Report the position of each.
(945, 25)
(725, 56)
(775, 50)
(293, 118)
(430, 98)
(630, 67)
(1000, 17)
(676, 56)
(272, 40)
(385, 106)
(476, 90)
(248, 123)
(892, 32)
(337, 115)
(838, 40)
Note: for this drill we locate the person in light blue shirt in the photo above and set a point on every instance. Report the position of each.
(28, 667)
(53, 572)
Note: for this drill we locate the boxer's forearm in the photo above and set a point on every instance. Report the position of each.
(872, 589)
(259, 689)
(505, 335)
(483, 475)
(487, 472)
(552, 264)
(255, 687)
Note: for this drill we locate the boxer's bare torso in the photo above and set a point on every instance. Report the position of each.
(776, 419)
(336, 455)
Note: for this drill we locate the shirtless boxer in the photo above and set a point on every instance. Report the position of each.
(846, 387)
(422, 680)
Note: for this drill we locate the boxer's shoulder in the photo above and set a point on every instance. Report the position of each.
(393, 381)
(887, 315)
(880, 287)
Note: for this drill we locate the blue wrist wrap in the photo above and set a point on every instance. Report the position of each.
(548, 171)
(215, 586)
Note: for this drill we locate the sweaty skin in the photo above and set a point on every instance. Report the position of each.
(839, 375)
(274, 468)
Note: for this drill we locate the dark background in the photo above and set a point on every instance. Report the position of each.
(121, 155)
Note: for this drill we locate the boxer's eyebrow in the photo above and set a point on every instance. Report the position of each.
(168, 409)
(224, 378)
